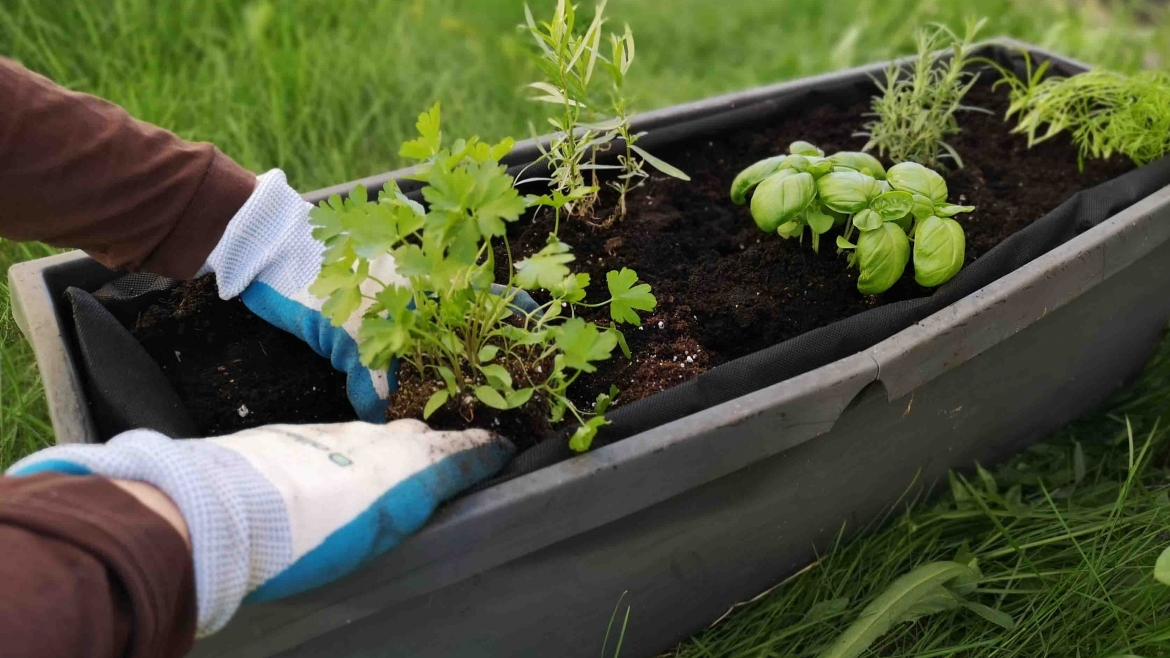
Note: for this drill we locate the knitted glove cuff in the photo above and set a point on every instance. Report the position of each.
(269, 240)
(239, 526)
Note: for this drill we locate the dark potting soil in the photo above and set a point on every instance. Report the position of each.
(233, 370)
(529, 422)
(725, 289)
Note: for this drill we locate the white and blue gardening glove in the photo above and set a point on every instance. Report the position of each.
(268, 257)
(280, 509)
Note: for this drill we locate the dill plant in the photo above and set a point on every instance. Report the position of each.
(915, 111)
(1104, 112)
(588, 121)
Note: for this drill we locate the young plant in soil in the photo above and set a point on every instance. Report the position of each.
(1103, 111)
(588, 123)
(915, 112)
(472, 341)
(806, 189)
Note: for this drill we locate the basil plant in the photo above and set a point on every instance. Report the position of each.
(806, 189)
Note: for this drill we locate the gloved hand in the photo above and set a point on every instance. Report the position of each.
(268, 257)
(280, 509)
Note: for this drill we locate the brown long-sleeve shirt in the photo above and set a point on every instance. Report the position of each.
(77, 171)
(86, 569)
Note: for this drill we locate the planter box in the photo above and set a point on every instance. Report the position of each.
(694, 515)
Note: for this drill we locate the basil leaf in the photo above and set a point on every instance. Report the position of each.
(939, 250)
(868, 220)
(751, 177)
(923, 207)
(858, 161)
(817, 220)
(781, 198)
(914, 178)
(950, 211)
(797, 162)
(892, 206)
(819, 167)
(804, 148)
(846, 191)
(791, 229)
(882, 255)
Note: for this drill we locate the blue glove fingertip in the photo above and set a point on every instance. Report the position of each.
(333, 343)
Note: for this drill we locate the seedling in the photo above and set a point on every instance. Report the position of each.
(585, 123)
(635, 158)
(479, 342)
(1103, 111)
(807, 190)
(915, 112)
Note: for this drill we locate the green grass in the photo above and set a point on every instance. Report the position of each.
(327, 90)
(24, 423)
(1069, 554)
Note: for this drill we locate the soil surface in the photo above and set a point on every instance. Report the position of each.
(232, 369)
(724, 288)
(410, 399)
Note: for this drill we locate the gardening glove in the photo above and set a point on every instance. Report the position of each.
(269, 257)
(280, 509)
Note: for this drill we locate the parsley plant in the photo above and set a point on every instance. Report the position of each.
(452, 323)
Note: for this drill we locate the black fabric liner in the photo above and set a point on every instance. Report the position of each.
(125, 387)
(122, 394)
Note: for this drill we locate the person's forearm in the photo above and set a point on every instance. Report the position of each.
(157, 502)
(77, 171)
(91, 568)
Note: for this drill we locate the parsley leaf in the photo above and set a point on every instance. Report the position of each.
(546, 268)
(581, 343)
(340, 283)
(430, 136)
(495, 201)
(572, 288)
(627, 297)
(382, 339)
(582, 439)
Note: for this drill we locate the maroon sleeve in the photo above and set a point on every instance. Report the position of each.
(88, 571)
(77, 171)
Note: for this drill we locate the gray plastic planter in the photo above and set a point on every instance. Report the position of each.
(695, 515)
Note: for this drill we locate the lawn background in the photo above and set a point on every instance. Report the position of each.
(327, 90)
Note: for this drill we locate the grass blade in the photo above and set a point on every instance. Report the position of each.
(888, 608)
